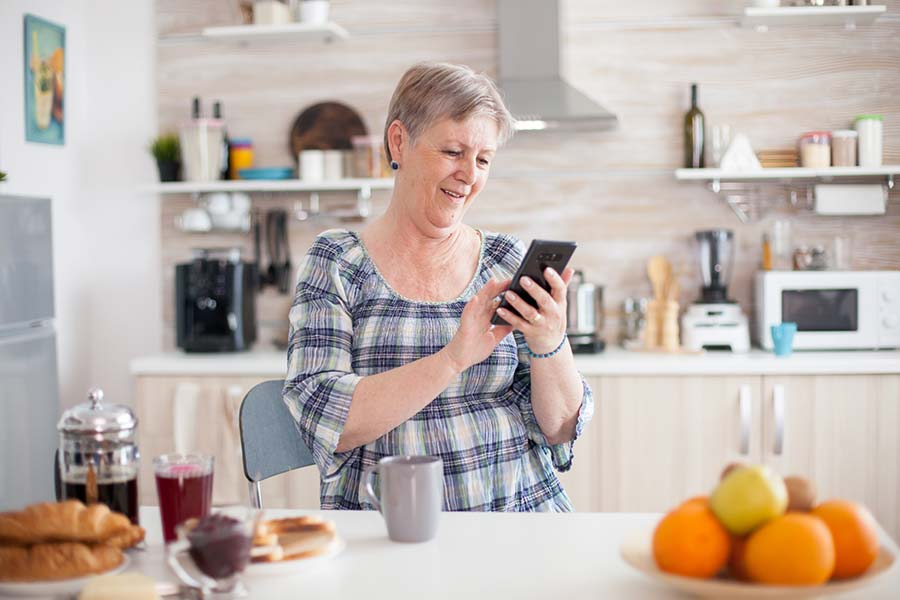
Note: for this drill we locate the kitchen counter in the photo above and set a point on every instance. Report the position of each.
(614, 361)
(474, 555)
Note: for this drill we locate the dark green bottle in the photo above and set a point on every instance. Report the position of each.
(694, 125)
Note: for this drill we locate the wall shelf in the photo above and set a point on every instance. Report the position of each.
(748, 192)
(848, 16)
(788, 174)
(362, 186)
(327, 32)
(269, 185)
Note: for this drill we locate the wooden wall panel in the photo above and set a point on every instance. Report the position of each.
(613, 192)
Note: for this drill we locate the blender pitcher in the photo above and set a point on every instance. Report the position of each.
(98, 459)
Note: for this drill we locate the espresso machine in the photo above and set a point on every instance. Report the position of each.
(215, 301)
(714, 322)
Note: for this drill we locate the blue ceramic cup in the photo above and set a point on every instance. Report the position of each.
(783, 338)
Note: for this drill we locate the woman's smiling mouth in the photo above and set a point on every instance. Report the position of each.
(453, 195)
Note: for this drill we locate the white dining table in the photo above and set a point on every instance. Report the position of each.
(473, 556)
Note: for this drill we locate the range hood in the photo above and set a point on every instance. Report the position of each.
(536, 95)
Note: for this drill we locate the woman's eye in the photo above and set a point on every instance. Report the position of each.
(453, 153)
(483, 162)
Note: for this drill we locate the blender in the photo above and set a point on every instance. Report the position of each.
(715, 322)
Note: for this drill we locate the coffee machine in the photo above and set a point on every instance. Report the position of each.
(215, 301)
(715, 322)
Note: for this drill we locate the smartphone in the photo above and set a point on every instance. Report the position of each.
(540, 255)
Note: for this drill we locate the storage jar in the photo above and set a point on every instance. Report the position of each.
(870, 130)
(843, 148)
(815, 150)
(241, 156)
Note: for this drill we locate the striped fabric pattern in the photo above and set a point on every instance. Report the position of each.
(348, 323)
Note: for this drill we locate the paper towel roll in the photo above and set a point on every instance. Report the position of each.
(843, 199)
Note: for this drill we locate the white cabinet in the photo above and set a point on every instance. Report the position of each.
(842, 433)
(656, 441)
(200, 414)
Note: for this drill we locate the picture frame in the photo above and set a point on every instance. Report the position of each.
(44, 81)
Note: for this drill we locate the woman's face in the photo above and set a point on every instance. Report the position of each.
(446, 168)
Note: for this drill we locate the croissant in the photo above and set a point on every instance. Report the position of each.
(49, 562)
(69, 521)
(128, 538)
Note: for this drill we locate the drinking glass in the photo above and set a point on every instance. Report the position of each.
(719, 140)
(184, 486)
(780, 239)
(840, 253)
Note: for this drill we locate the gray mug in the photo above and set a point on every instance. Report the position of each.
(412, 492)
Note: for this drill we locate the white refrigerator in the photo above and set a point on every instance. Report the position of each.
(29, 383)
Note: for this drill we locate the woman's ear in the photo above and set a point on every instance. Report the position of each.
(398, 140)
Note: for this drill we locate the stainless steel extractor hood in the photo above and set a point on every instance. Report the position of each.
(535, 93)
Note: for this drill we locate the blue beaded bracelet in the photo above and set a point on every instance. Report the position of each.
(548, 354)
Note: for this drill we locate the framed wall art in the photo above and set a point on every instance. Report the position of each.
(45, 61)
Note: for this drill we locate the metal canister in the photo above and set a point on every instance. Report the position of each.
(584, 313)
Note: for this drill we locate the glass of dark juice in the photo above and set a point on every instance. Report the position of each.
(184, 486)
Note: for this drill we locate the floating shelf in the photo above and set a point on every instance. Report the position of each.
(849, 16)
(788, 174)
(746, 191)
(268, 185)
(327, 31)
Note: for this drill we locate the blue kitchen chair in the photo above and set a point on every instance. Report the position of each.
(269, 437)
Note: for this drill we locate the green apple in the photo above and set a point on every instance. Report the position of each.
(748, 497)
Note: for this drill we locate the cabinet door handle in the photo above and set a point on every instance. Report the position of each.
(744, 405)
(778, 418)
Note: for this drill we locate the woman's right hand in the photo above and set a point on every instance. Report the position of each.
(477, 338)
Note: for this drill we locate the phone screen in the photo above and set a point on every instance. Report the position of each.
(540, 255)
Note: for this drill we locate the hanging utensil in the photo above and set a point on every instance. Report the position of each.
(659, 270)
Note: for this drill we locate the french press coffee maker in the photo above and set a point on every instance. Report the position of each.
(98, 459)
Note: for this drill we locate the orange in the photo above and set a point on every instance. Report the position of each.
(793, 549)
(702, 500)
(855, 536)
(690, 541)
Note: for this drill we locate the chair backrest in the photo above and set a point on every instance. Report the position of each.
(269, 437)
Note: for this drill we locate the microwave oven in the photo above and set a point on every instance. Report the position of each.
(833, 310)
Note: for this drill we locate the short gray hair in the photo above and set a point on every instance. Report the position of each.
(431, 91)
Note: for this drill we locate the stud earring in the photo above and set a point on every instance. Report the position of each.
(395, 165)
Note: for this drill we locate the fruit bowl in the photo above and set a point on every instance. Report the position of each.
(637, 551)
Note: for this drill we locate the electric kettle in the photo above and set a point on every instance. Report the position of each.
(584, 315)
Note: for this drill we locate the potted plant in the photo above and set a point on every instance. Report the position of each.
(2, 176)
(165, 149)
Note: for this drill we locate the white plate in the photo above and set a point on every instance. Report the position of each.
(296, 566)
(63, 587)
(637, 552)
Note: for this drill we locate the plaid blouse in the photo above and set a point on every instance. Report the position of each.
(347, 323)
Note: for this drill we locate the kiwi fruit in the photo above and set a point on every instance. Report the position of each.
(729, 468)
(801, 493)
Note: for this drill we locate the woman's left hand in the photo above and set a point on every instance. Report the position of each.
(544, 326)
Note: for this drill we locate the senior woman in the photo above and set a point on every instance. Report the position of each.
(392, 350)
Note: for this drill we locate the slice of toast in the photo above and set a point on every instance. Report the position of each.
(293, 538)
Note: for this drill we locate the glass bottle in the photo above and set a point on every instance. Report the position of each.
(225, 166)
(694, 134)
